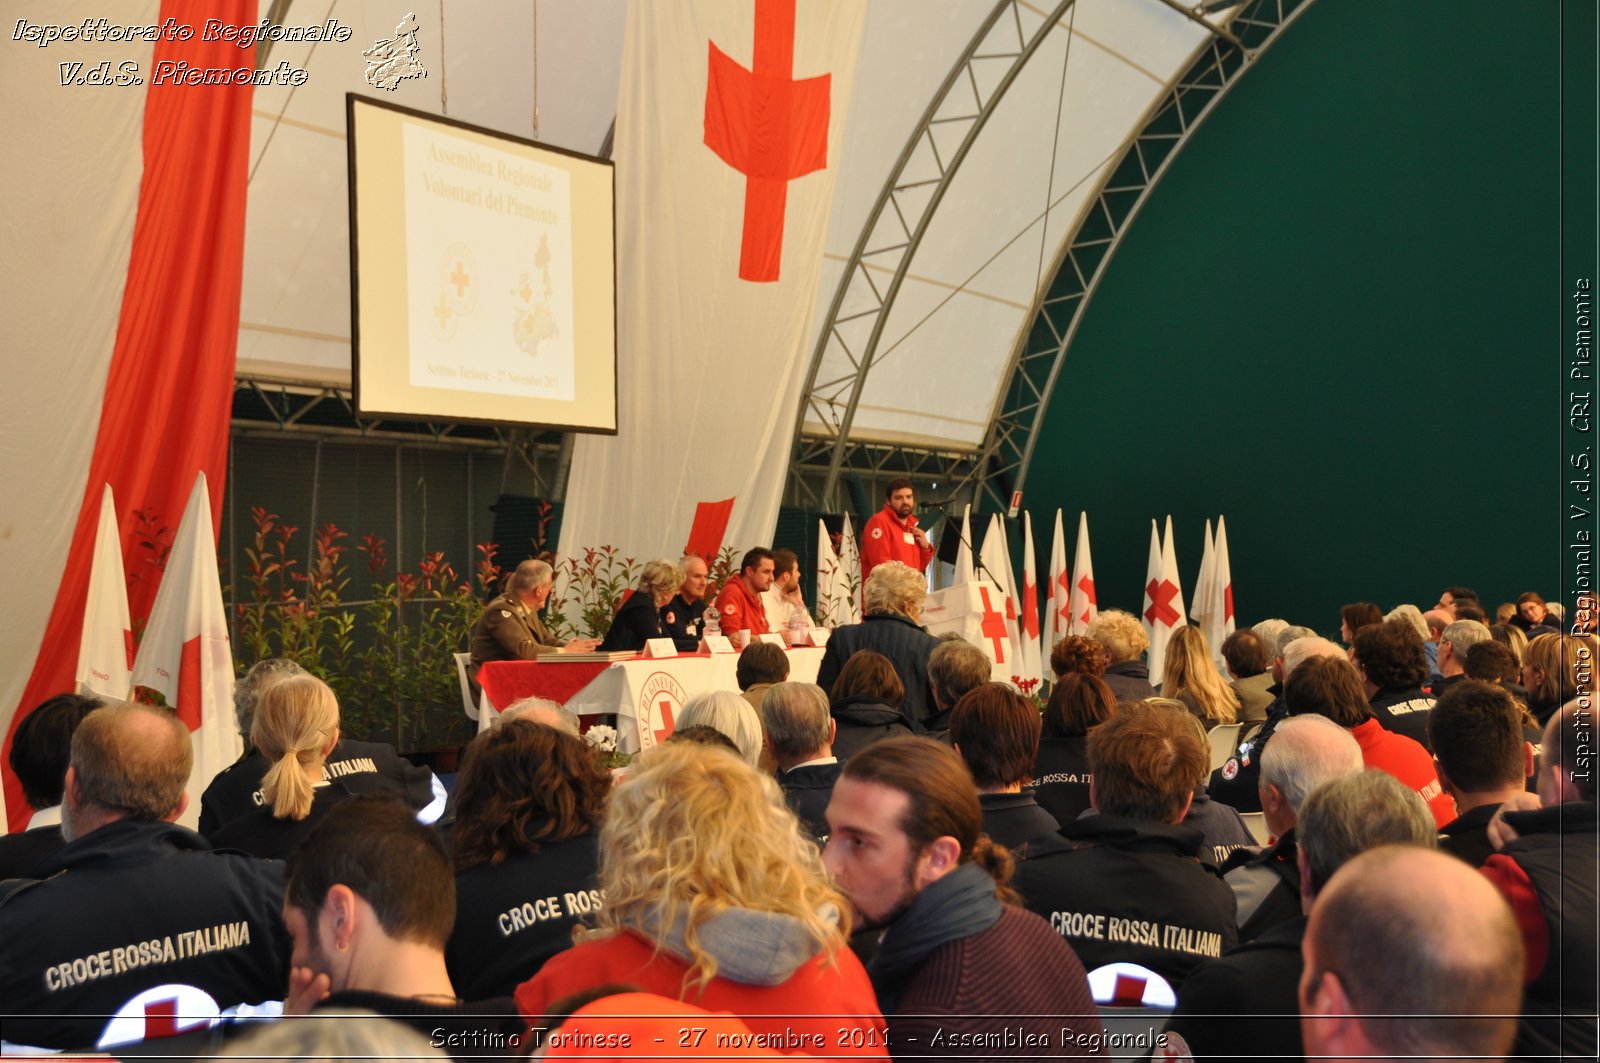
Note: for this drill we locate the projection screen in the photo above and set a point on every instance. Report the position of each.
(483, 275)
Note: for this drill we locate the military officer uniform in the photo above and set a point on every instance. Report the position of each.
(509, 630)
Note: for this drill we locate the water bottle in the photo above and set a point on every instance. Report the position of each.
(712, 624)
(797, 628)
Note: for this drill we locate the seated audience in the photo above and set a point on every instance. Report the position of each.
(715, 897)
(1354, 617)
(738, 603)
(958, 956)
(1452, 598)
(865, 704)
(1306, 752)
(1436, 620)
(800, 738)
(529, 802)
(1222, 828)
(893, 627)
(1329, 686)
(1061, 774)
(1245, 1004)
(133, 901)
(296, 726)
(1191, 677)
(995, 732)
(1079, 654)
(1482, 760)
(638, 618)
(727, 712)
(1370, 994)
(761, 664)
(1546, 867)
(509, 629)
(681, 617)
(1133, 864)
(1555, 670)
(955, 667)
(1236, 783)
(1533, 616)
(364, 767)
(1125, 640)
(1455, 642)
(370, 904)
(41, 748)
(1389, 658)
(1249, 662)
(539, 710)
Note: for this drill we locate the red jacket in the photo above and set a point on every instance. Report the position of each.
(888, 538)
(738, 609)
(832, 997)
(1406, 760)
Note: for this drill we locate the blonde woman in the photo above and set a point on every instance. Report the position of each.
(715, 897)
(1556, 669)
(296, 725)
(1192, 678)
(639, 618)
(1124, 638)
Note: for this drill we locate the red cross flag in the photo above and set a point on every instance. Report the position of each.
(105, 652)
(1060, 588)
(185, 653)
(997, 567)
(1030, 663)
(1224, 579)
(1084, 606)
(1213, 592)
(963, 573)
(1163, 598)
(730, 123)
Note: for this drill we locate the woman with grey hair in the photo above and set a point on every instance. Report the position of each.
(893, 627)
(729, 714)
(639, 618)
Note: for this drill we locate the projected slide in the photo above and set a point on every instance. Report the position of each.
(484, 275)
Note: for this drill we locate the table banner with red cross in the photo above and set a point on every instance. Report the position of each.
(975, 610)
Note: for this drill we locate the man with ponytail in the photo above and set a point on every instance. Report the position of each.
(296, 726)
(960, 967)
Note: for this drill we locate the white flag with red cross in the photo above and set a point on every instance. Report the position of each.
(1163, 598)
(1084, 606)
(105, 651)
(997, 567)
(185, 653)
(1060, 588)
(1223, 575)
(1204, 589)
(1031, 664)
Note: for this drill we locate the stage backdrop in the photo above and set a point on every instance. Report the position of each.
(729, 123)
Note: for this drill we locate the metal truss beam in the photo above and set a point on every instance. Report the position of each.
(1080, 265)
(897, 223)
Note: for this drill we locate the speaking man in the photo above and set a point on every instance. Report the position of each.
(892, 533)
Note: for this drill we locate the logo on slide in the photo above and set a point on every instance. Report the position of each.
(392, 61)
(457, 294)
(532, 320)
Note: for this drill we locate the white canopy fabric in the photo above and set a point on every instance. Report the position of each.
(949, 335)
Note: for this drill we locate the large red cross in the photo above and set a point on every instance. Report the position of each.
(666, 720)
(994, 627)
(1161, 595)
(768, 126)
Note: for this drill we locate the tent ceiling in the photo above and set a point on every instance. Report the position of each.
(946, 340)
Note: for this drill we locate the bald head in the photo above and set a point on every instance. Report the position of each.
(1410, 952)
(129, 761)
(1568, 753)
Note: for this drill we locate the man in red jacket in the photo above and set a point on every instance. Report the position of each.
(892, 533)
(739, 602)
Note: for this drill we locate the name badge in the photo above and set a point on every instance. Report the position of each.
(908, 537)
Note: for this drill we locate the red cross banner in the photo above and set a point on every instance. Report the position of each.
(730, 121)
(1060, 588)
(1084, 606)
(1163, 598)
(1028, 633)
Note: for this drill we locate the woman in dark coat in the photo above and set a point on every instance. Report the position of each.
(639, 618)
(866, 703)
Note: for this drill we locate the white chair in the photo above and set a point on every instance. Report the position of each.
(1257, 822)
(467, 704)
(1224, 740)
